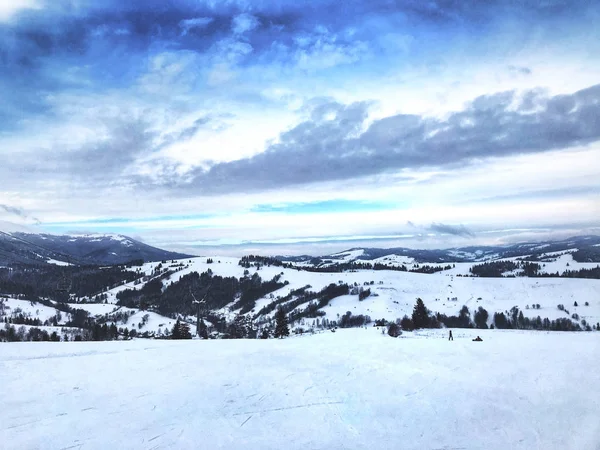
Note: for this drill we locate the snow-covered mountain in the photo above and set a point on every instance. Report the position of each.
(583, 249)
(17, 246)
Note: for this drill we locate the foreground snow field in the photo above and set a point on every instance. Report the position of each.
(353, 389)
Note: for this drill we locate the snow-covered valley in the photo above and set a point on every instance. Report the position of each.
(393, 293)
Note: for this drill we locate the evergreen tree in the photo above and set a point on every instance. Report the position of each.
(184, 330)
(237, 329)
(394, 330)
(203, 330)
(281, 324)
(407, 324)
(420, 315)
(464, 317)
(481, 318)
(176, 332)
(264, 333)
(500, 321)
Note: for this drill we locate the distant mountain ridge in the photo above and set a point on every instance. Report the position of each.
(583, 249)
(77, 249)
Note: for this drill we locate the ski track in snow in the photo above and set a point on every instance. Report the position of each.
(353, 389)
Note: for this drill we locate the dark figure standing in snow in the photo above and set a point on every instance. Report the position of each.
(450, 338)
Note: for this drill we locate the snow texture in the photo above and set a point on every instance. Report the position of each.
(353, 389)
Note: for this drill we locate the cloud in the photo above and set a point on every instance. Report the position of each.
(519, 70)
(244, 22)
(455, 230)
(332, 145)
(9, 8)
(19, 212)
(324, 50)
(195, 23)
(110, 105)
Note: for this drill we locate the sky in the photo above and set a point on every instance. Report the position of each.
(301, 127)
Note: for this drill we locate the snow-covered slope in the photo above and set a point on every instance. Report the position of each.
(353, 389)
(394, 293)
(154, 323)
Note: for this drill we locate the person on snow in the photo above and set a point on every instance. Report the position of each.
(450, 337)
(477, 339)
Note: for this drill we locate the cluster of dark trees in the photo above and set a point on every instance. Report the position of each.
(593, 272)
(177, 298)
(317, 301)
(363, 294)
(463, 320)
(20, 319)
(88, 327)
(513, 319)
(252, 288)
(181, 330)
(328, 266)
(11, 334)
(59, 282)
(350, 321)
(258, 261)
(429, 269)
(104, 332)
(354, 265)
(96, 332)
(243, 327)
(493, 269)
(497, 269)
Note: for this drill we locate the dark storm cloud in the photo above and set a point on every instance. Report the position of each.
(455, 230)
(330, 146)
(102, 161)
(105, 160)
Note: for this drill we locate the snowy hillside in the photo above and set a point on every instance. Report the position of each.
(353, 389)
(394, 293)
(391, 292)
(141, 321)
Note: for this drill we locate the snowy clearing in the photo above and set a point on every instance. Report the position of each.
(353, 389)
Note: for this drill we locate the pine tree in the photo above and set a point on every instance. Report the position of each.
(184, 331)
(465, 317)
(481, 318)
(176, 332)
(420, 315)
(203, 330)
(281, 324)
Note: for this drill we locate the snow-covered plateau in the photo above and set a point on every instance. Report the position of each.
(352, 389)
